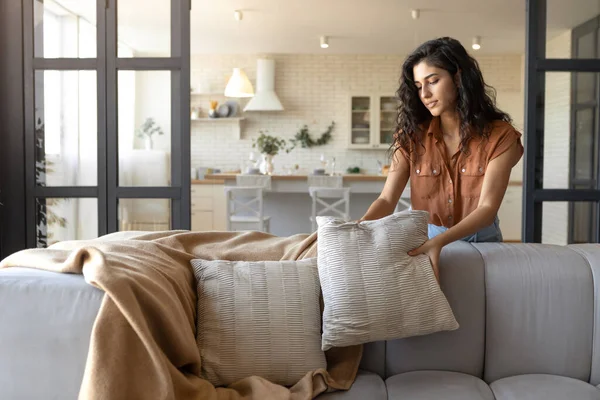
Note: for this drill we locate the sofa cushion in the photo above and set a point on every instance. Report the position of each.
(427, 385)
(540, 311)
(258, 318)
(367, 385)
(543, 387)
(46, 320)
(372, 289)
(462, 350)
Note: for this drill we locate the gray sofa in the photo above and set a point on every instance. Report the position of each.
(529, 329)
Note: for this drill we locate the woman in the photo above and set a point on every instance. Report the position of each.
(456, 147)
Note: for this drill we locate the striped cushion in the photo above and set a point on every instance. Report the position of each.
(372, 289)
(258, 318)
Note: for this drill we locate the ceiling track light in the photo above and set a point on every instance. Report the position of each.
(324, 42)
(476, 45)
(238, 15)
(415, 14)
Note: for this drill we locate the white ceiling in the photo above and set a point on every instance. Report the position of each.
(353, 26)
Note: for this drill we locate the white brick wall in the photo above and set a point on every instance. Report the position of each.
(315, 90)
(557, 121)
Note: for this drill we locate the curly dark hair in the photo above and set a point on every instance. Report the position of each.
(476, 102)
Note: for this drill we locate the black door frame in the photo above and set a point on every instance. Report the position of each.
(106, 64)
(12, 150)
(536, 65)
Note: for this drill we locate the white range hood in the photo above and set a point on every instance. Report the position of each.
(265, 98)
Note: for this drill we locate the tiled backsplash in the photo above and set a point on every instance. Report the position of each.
(315, 90)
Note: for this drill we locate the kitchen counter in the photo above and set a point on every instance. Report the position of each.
(359, 183)
(213, 181)
(347, 177)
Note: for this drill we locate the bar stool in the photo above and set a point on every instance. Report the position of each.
(329, 198)
(245, 203)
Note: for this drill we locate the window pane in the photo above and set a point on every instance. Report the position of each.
(585, 46)
(64, 28)
(585, 87)
(571, 136)
(557, 130)
(568, 18)
(144, 128)
(144, 214)
(60, 219)
(144, 31)
(584, 142)
(558, 227)
(66, 128)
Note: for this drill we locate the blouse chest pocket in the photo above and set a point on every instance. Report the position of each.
(426, 182)
(471, 179)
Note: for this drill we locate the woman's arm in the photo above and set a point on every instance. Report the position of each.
(392, 190)
(494, 186)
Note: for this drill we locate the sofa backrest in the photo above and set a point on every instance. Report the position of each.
(591, 252)
(540, 311)
(522, 308)
(462, 279)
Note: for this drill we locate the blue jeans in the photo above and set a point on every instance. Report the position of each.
(490, 233)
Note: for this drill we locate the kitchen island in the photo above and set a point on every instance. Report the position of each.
(289, 205)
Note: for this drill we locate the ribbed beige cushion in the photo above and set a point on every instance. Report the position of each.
(258, 318)
(372, 289)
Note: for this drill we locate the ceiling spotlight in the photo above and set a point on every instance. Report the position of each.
(238, 15)
(476, 43)
(415, 14)
(324, 42)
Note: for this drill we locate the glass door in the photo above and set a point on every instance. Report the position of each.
(106, 138)
(64, 71)
(148, 131)
(583, 216)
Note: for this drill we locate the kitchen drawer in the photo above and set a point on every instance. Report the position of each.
(202, 190)
(202, 203)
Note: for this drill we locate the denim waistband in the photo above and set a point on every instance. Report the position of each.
(491, 233)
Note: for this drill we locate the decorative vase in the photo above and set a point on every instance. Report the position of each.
(149, 144)
(266, 165)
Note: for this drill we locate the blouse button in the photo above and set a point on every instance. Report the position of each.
(418, 171)
(463, 170)
(480, 169)
(434, 172)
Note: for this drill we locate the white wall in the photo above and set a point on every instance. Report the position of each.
(315, 90)
(557, 120)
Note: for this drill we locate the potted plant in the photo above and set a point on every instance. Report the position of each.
(147, 130)
(269, 146)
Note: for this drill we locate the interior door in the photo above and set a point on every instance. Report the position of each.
(106, 117)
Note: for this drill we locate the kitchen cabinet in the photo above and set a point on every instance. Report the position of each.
(372, 121)
(510, 213)
(208, 207)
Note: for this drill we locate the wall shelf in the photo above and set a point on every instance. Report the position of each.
(235, 121)
(228, 119)
(207, 94)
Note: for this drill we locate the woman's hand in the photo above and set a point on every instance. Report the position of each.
(433, 249)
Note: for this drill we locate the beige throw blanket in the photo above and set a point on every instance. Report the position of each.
(143, 343)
